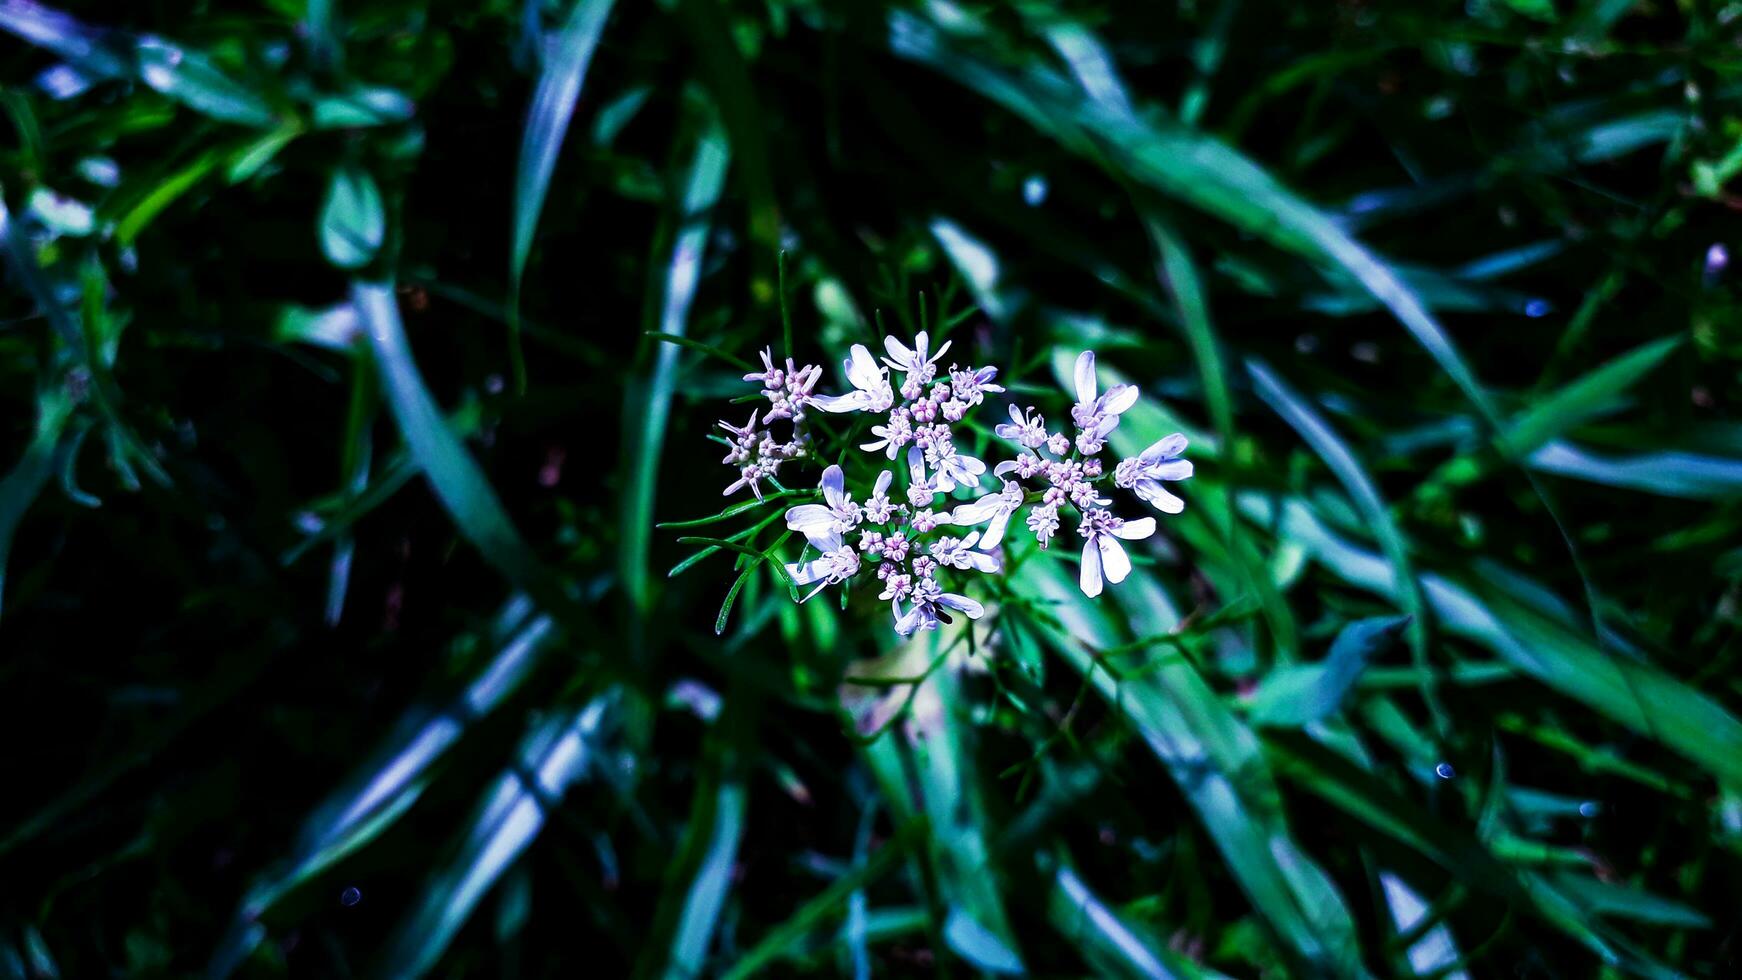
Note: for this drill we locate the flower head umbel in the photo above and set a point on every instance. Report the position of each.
(916, 528)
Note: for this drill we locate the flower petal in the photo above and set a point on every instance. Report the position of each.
(1164, 448)
(834, 484)
(1090, 578)
(1114, 561)
(995, 530)
(806, 518)
(1153, 493)
(883, 480)
(969, 607)
(1173, 469)
(1136, 530)
(898, 351)
(1086, 377)
(862, 369)
(1118, 399)
(852, 401)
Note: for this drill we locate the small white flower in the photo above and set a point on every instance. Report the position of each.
(921, 488)
(892, 436)
(1103, 556)
(960, 553)
(1058, 444)
(788, 389)
(871, 391)
(1043, 520)
(895, 547)
(871, 542)
(1096, 417)
(1027, 430)
(956, 470)
(927, 520)
(756, 455)
(972, 386)
(1144, 473)
(828, 520)
(928, 601)
(878, 509)
(994, 510)
(836, 565)
(924, 567)
(897, 586)
(1024, 465)
(914, 362)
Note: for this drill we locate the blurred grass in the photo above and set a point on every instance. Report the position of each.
(267, 265)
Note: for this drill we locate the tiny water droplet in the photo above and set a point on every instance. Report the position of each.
(1444, 770)
(1589, 809)
(1536, 308)
(1717, 258)
(350, 896)
(1034, 190)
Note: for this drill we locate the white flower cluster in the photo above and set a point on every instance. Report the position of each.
(753, 450)
(913, 539)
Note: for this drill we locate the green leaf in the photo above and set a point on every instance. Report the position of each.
(651, 406)
(1297, 695)
(353, 220)
(547, 122)
(191, 78)
(552, 756)
(980, 946)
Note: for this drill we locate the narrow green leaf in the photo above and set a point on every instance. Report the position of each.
(1361, 488)
(353, 219)
(1296, 695)
(547, 122)
(651, 406)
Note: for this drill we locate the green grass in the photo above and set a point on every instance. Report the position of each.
(368, 604)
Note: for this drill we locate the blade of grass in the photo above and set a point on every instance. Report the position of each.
(547, 122)
(703, 179)
(1349, 471)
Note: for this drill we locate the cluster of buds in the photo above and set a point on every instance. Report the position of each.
(752, 449)
(916, 538)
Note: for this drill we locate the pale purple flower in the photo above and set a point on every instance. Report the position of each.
(954, 409)
(921, 488)
(837, 515)
(959, 553)
(957, 470)
(1143, 474)
(972, 386)
(1104, 557)
(892, 436)
(1024, 465)
(871, 542)
(1097, 416)
(994, 510)
(756, 455)
(789, 389)
(1027, 430)
(924, 567)
(927, 520)
(915, 362)
(1043, 520)
(1058, 443)
(878, 509)
(896, 586)
(895, 547)
(928, 601)
(924, 410)
(836, 565)
(871, 391)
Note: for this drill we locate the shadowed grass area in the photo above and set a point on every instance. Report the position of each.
(368, 604)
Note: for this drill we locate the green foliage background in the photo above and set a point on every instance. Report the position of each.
(337, 633)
